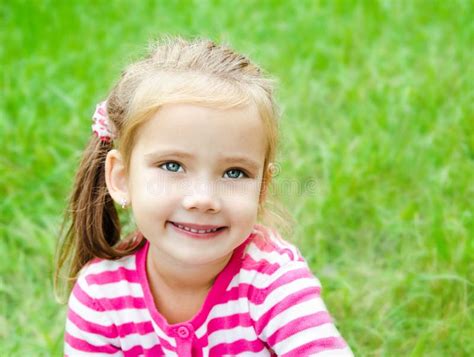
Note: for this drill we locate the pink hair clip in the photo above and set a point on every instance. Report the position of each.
(102, 126)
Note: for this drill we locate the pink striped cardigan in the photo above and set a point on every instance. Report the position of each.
(264, 302)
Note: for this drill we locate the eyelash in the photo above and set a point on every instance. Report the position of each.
(163, 166)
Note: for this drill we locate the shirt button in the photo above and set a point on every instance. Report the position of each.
(183, 332)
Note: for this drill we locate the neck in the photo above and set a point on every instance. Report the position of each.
(179, 278)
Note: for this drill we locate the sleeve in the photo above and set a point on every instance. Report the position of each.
(292, 319)
(89, 331)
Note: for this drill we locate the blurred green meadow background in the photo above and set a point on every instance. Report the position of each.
(377, 101)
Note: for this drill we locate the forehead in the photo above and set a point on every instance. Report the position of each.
(204, 131)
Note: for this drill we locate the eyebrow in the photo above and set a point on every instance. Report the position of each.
(242, 160)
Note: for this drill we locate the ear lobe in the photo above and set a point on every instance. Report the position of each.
(116, 176)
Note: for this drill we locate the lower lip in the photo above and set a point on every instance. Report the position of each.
(197, 235)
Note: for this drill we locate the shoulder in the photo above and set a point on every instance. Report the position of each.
(98, 303)
(268, 261)
(103, 271)
(268, 247)
(101, 280)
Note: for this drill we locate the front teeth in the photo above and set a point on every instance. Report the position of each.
(197, 230)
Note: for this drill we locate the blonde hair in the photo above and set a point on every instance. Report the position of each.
(174, 71)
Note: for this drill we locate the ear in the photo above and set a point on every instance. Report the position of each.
(116, 176)
(266, 180)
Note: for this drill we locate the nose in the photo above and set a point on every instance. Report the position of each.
(203, 200)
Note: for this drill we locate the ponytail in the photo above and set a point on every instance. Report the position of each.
(92, 222)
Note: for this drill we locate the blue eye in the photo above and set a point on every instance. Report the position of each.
(235, 174)
(171, 166)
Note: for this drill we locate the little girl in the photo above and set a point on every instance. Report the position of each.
(186, 140)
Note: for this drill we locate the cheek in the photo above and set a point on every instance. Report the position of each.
(151, 185)
(243, 203)
(247, 189)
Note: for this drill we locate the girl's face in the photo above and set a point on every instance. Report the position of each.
(197, 168)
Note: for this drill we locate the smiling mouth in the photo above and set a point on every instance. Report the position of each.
(197, 230)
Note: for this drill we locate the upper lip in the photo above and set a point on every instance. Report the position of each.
(197, 226)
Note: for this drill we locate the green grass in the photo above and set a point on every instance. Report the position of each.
(377, 100)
